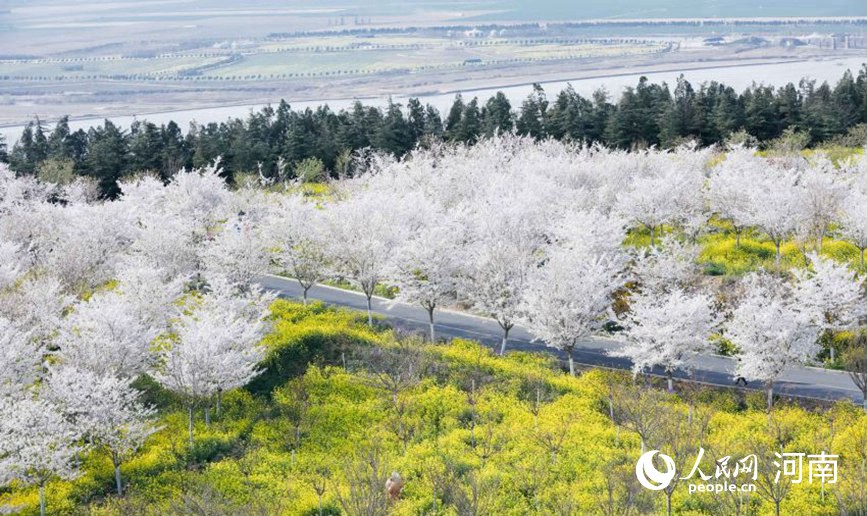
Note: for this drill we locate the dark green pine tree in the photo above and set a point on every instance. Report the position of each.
(282, 119)
(705, 100)
(327, 127)
(624, 125)
(728, 115)
(497, 115)
(682, 118)
(533, 118)
(470, 128)
(4, 155)
(237, 155)
(654, 101)
(789, 106)
(78, 146)
(145, 147)
(22, 156)
(393, 135)
(106, 157)
(415, 120)
(175, 154)
(454, 119)
(356, 127)
(40, 143)
(60, 144)
(602, 112)
(571, 117)
(820, 118)
(635, 123)
(847, 102)
(208, 143)
(861, 88)
(314, 134)
(433, 122)
(761, 113)
(259, 155)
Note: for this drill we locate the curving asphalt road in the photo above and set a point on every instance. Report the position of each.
(801, 381)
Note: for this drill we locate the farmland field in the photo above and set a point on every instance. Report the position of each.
(122, 59)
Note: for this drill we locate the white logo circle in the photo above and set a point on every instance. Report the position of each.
(649, 476)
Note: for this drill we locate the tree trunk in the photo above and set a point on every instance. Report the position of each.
(670, 381)
(862, 257)
(369, 310)
(864, 402)
(737, 238)
(537, 407)
(571, 361)
(778, 259)
(42, 499)
(433, 335)
(207, 415)
(306, 289)
(652, 236)
(770, 396)
(668, 501)
(190, 417)
(219, 401)
(505, 340)
(117, 481)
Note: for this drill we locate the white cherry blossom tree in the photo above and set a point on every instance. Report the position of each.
(670, 265)
(12, 264)
(426, 266)
(729, 188)
(822, 193)
(498, 263)
(37, 304)
(831, 292)
(150, 292)
(568, 299)
(37, 444)
(216, 346)
(237, 251)
(771, 332)
(20, 357)
(668, 329)
(105, 409)
(776, 207)
(363, 234)
(300, 238)
(670, 191)
(853, 223)
(106, 336)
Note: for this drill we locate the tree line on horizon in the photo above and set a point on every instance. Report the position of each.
(283, 143)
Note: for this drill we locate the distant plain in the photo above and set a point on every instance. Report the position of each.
(115, 58)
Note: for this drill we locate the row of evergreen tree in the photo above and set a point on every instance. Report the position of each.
(274, 141)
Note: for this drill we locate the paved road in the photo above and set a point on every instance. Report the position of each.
(808, 382)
